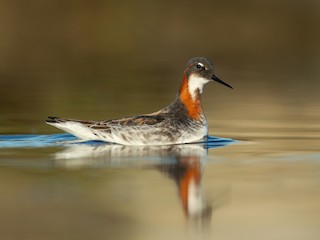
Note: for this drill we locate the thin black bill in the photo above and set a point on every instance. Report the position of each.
(215, 78)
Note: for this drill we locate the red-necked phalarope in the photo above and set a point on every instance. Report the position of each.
(183, 121)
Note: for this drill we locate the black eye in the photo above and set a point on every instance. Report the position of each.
(199, 66)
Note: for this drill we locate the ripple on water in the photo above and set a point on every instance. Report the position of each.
(53, 140)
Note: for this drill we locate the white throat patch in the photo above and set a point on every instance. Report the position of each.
(195, 82)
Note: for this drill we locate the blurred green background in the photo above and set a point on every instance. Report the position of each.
(108, 59)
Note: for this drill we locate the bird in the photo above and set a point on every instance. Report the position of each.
(183, 121)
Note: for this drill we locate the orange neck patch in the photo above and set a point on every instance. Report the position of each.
(193, 105)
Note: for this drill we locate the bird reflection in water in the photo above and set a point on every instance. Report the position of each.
(182, 163)
(187, 174)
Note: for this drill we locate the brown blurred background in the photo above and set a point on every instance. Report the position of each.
(106, 59)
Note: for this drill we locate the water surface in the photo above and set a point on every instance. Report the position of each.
(55, 187)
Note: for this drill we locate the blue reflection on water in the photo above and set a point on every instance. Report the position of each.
(53, 140)
(32, 140)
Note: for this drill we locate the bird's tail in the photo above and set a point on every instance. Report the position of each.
(79, 128)
(52, 120)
